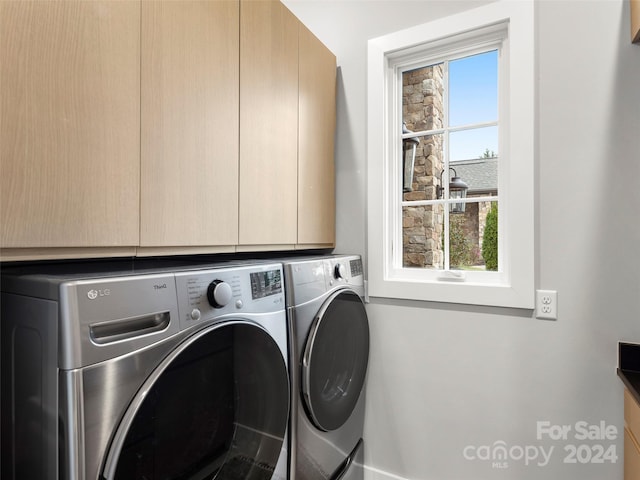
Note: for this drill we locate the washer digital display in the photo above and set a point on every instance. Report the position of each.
(264, 284)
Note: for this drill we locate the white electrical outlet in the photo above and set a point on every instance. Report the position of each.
(547, 304)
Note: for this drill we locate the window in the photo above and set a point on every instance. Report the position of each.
(451, 159)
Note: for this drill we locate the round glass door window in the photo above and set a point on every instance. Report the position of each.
(335, 360)
(217, 408)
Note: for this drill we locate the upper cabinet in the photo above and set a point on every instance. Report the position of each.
(69, 124)
(268, 124)
(163, 127)
(287, 128)
(189, 116)
(317, 125)
(635, 20)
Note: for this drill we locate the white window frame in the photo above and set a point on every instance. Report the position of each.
(509, 25)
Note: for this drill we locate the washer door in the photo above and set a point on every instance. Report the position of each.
(335, 360)
(216, 407)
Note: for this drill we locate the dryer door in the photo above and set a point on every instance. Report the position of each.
(335, 360)
(216, 407)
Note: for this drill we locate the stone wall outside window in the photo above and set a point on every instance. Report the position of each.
(422, 226)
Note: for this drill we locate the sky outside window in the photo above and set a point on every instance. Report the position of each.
(473, 98)
(468, 144)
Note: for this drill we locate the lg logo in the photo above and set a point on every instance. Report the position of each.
(93, 294)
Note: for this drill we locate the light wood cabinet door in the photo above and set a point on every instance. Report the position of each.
(189, 115)
(317, 124)
(631, 456)
(69, 123)
(268, 123)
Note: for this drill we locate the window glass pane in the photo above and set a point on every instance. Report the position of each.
(472, 155)
(473, 89)
(423, 98)
(422, 167)
(479, 175)
(473, 143)
(473, 239)
(422, 234)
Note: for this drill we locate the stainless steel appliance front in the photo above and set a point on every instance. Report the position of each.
(178, 374)
(329, 332)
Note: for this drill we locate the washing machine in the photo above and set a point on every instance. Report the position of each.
(178, 374)
(329, 348)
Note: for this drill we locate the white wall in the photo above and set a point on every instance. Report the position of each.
(443, 377)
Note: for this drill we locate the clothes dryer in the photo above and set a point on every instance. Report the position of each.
(154, 375)
(329, 347)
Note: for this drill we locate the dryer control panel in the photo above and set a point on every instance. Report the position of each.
(204, 295)
(344, 270)
(311, 278)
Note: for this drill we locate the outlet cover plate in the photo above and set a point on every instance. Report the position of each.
(547, 304)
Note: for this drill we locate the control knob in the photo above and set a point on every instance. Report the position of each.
(340, 271)
(219, 293)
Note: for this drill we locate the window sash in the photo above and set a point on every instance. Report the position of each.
(395, 72)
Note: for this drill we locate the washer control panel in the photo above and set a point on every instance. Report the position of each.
(205, 295)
